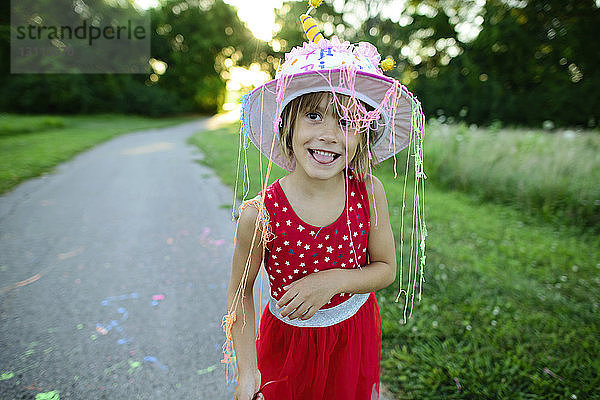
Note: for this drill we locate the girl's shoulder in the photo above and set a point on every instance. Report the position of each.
(254, 213)
(372, 184)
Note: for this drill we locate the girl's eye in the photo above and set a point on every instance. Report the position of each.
(314, 116)
(347, 123)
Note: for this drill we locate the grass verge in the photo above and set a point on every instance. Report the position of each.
(552, 175)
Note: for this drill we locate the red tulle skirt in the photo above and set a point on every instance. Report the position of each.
(338, 362)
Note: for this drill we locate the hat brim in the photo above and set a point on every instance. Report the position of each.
(264, 110)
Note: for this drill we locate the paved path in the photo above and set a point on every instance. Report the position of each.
(113, 274)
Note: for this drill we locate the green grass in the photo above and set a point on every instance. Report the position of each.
(554, 176)
(31, 145)
(510, 305)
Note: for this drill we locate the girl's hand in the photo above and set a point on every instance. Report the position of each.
(304, 297)
(247, 386)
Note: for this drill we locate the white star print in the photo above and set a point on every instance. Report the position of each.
(274, 257)
(300, 228)
(286, 243)
(278, 249)
(343, 265)
(316, 270)
(291, 277)
(298, 243)
(276, 263)
(360, 225)
(302, 264)
(287, 263)
(277, 224)
(345, 237)
(312, 233)
(352, 194)
(316, 262)
(304, 272)
(355, 234)
(278, 271)
(301, 255)
(351, 209)
(269, 196)
(284, 209)
(275, 204)
(326, 237)
(329, 249)
(288, 222)
(296, 271)
(320, 245)
(359, 205)
(326, 259)
(307, 246)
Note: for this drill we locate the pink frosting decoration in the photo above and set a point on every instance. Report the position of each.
(363, 51)
(369, 51)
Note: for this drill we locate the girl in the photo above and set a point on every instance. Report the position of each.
(322, 231)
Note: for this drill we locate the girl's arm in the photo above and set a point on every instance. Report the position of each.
(305, 296)
(243, 330)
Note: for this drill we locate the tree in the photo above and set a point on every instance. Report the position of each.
(187, 38)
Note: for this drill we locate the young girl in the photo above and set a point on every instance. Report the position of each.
(322, 231)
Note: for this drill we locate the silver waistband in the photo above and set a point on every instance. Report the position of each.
(325, 316)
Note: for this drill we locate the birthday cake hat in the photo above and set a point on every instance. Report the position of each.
(357, 71)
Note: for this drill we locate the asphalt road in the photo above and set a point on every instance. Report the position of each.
(113, 275)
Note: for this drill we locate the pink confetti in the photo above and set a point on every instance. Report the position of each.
(157, 297)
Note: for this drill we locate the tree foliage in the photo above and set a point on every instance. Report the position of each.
(186, 35)
(532, 60)
(529, 64)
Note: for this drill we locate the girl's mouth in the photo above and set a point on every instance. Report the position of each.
(323, 157)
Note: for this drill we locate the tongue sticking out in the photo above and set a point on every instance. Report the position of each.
(322, 158)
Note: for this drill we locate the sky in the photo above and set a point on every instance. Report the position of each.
(259, 15)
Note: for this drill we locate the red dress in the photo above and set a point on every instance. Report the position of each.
(323, 359)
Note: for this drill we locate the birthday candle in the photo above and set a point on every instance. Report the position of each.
(310, 28)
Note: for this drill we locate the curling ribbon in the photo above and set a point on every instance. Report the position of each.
(310, 28)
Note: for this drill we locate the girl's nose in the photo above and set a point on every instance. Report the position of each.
(329, 132)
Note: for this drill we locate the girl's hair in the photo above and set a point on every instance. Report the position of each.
(309, 102)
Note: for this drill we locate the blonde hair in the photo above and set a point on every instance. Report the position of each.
(360, 163)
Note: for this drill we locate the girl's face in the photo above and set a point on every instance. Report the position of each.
(319, 142)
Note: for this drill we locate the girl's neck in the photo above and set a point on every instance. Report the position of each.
(312, 188)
